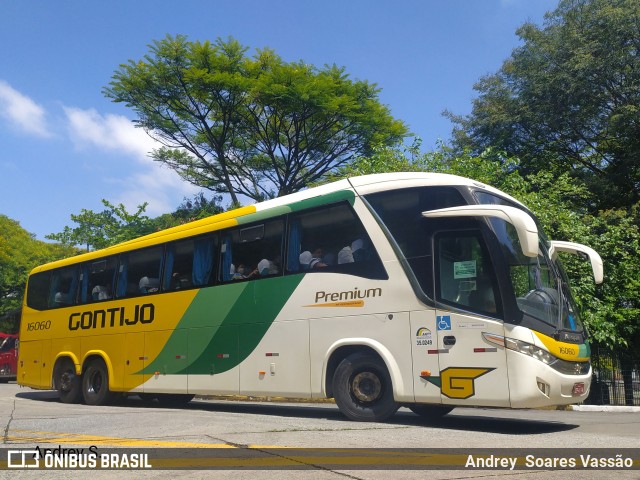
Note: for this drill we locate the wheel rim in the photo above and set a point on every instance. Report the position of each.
(66, 381)
(94, 385)
(366, 387)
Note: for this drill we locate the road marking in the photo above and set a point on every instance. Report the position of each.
(33, 436)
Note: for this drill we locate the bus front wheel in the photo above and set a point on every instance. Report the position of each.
(362, 388)
(95, 384)
(68, 384)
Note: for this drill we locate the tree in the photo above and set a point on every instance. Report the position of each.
(194, 208)
(568, 99)
(101, 229)
(258, 127)
(115, 224)
(20, 252)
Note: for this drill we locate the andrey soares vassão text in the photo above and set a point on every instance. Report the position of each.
(532, 461)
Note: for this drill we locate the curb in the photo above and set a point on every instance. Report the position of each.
(605, 408)
(265, 399)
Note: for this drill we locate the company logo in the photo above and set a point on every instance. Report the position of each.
(347, 298)
(112, 317)
(23, 459)
(75, 459)
(424, 337)
(458, 382)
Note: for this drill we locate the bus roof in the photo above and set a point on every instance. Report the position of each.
(339, 190)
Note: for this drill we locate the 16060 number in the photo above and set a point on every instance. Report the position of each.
(35, 326)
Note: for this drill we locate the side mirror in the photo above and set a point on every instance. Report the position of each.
(522, 221)
(582, 250)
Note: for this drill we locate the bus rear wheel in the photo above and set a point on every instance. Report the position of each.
(95, 384)
(362, 388)
(68, 384)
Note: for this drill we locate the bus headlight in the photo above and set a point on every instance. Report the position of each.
(562, 366)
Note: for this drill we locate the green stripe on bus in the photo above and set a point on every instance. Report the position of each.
(334, 197)
(263, 215)
(219, 320)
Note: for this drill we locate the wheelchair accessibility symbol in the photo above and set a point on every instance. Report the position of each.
(443, 322)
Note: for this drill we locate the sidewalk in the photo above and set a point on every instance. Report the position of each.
(605, 408)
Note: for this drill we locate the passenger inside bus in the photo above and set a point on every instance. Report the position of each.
(101, 292)
(63, 296)
(149, 285)
(317, 259)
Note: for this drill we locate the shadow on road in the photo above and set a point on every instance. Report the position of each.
(461, 419)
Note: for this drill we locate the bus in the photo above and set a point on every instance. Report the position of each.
(8, 357)
(10, 322)
(421, 290)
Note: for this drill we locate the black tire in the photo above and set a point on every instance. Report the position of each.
(430, 411)
(174, 399)
(68, 384)
(95, 384)
(362, 389)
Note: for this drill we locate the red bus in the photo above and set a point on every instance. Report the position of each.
(8, 357)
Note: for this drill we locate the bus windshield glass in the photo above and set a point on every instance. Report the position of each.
(540, 285)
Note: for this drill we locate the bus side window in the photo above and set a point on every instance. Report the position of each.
(252, 252)
(464, 273)
(64, 287)
(38, 290)
(139, 272)
(189, 263)
(97, 280)
(331, 239)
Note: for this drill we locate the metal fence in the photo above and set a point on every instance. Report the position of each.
(616, 377)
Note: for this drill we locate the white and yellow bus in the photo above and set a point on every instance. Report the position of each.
(423, 290)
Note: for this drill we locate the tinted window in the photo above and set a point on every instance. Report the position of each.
(139, 272)
(252, 252)
(331, 239)
(64, 287)
(97, 280)
(190, 263)
(401, 212)
(38, 290)
(464, 273)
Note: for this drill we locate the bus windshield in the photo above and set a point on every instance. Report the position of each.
(541, 291)
(540, 284)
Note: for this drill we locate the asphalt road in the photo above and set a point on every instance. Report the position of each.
(37, 419)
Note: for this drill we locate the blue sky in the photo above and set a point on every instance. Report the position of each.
(64, 146)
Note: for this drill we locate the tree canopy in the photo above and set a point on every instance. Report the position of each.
(568, 99)
(114, 224)
(20, 252)
(255, 126)
(97, 230)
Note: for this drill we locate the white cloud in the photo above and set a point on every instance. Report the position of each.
(146, 181)
(22, 112)
(111, 132)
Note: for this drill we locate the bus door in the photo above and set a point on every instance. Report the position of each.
(472, 370)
